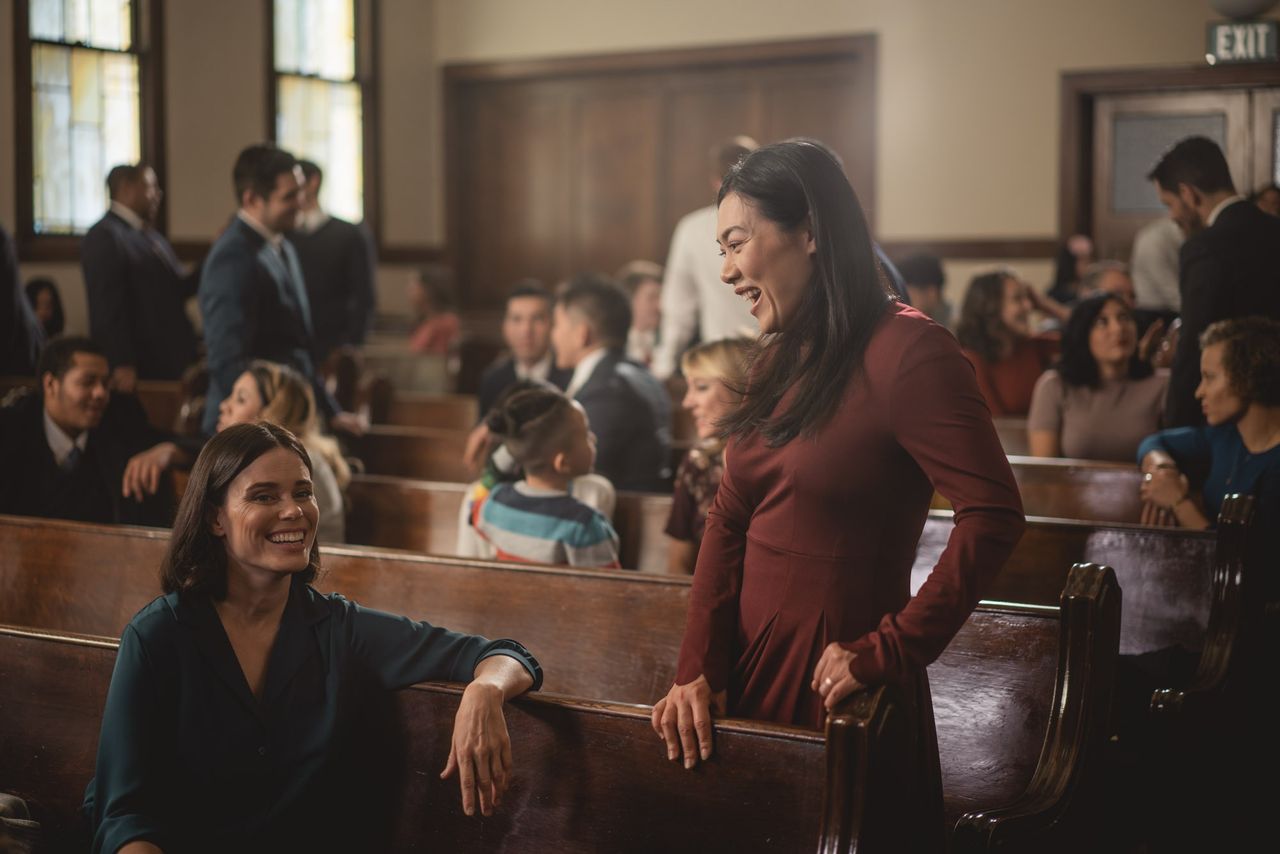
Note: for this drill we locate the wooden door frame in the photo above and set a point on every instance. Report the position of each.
(1080, 90)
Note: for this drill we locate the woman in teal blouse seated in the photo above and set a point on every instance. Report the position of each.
(234, 717)
(1239, 450)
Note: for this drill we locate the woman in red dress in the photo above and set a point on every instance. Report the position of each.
(858, 407)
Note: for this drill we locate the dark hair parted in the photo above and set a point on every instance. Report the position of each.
(196, 561)
(58, 355)
(797, 184)
(981, 328)
(1196, 161)
(530, 288)
(532, 424)
(1250, 356)
(923, 270)
(1076, 365)
(603, 305)
(258, 167)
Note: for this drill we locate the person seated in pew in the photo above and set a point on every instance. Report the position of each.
(995, 331)
(629, 409)
(64, 448)
(715, 375)
(642, 280)
(431, 299)
(858, 407)
(526, 329)
(233, 718)
(46, 303)
(267, 391)
(1239, 450)
(538, 518)
(1101, 399)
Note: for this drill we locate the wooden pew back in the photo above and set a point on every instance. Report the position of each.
(589, 776)
(439, 411)
(1087, 490)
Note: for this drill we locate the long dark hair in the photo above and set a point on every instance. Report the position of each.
(792, 184)
(1077, 366)
(981, 327)
(196, 562)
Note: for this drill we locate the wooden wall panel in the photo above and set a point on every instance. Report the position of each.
(564, 166)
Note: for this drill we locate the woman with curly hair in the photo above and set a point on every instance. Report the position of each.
(995, 332)
(1239, 449)
(1101, 399)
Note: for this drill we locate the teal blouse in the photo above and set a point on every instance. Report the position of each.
(190, 760)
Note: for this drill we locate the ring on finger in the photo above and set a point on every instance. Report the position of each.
(827, 682)
(1147, 477)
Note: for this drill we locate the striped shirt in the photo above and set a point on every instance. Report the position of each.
(524, 523)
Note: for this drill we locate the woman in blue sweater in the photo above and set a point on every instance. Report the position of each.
(1239, 450)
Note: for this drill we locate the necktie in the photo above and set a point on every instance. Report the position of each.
(72, 460)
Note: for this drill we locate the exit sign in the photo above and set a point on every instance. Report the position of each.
(1241, 41)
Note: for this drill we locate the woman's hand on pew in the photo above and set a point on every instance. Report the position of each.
(833, 677)
(142, 472)
(683, 720)
(480, 751)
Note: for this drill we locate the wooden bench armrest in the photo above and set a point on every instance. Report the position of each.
(1049, 808)
(867, 736)
(1234, 613)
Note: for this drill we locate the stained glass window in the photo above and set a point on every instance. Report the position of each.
(85, 110)
(319, 97)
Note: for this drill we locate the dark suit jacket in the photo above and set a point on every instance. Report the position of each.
(501, 375)
(20, 334)
(254, 304)
(32, 484)
(137, 291)
(337, 263)
(1231, 269)
(630, 413)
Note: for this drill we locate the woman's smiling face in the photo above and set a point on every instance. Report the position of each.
(767, 266)
(268, 519)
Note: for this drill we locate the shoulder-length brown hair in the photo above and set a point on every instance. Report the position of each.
(981, 328)
(196, 562)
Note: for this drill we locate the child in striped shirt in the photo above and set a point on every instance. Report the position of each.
(536, 519)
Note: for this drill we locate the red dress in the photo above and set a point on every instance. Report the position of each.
(813, 542)
(1007, 384)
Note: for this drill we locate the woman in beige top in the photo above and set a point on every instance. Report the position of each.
(1101, 400)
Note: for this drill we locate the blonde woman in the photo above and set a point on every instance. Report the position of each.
(715, 375)
(268, 391)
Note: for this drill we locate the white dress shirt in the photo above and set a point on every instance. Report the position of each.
(126, 213)
(1154, 265)
(1220, 207)
(275, 238)
(694, 296)
(539, 370)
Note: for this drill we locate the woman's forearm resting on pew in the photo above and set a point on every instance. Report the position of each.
(1168, 494)
(682, 719)
(480, 752)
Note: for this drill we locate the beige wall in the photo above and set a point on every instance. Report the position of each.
(968, 113)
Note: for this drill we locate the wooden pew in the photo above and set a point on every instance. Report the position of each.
(1013, 435)
(440, 411)
(162, 399)
(1020, 701)
(1088, 490)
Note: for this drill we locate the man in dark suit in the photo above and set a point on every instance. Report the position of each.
(337, 263)
(628, 410)
(137, 287)
(64, 448)
(1229, 265)
(20, 334)
(252, 294)
(526, 329)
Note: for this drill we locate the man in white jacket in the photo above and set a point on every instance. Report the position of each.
(694, 299)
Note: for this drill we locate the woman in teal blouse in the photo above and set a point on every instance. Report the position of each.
(235, 713)
(1239, 450)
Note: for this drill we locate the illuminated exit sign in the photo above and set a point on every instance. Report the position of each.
(1241, 41)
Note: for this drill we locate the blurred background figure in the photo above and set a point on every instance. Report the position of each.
(42, 295)
(1268, 199)
(1074, 257)
(642, 280)
(924, 278)
(431, 300)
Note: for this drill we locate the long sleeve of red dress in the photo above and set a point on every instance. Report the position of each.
(813, 542)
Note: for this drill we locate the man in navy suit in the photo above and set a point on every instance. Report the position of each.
(1229, 265)
(526, 329)
(628, 410)
(252, 294)
(137, 287)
